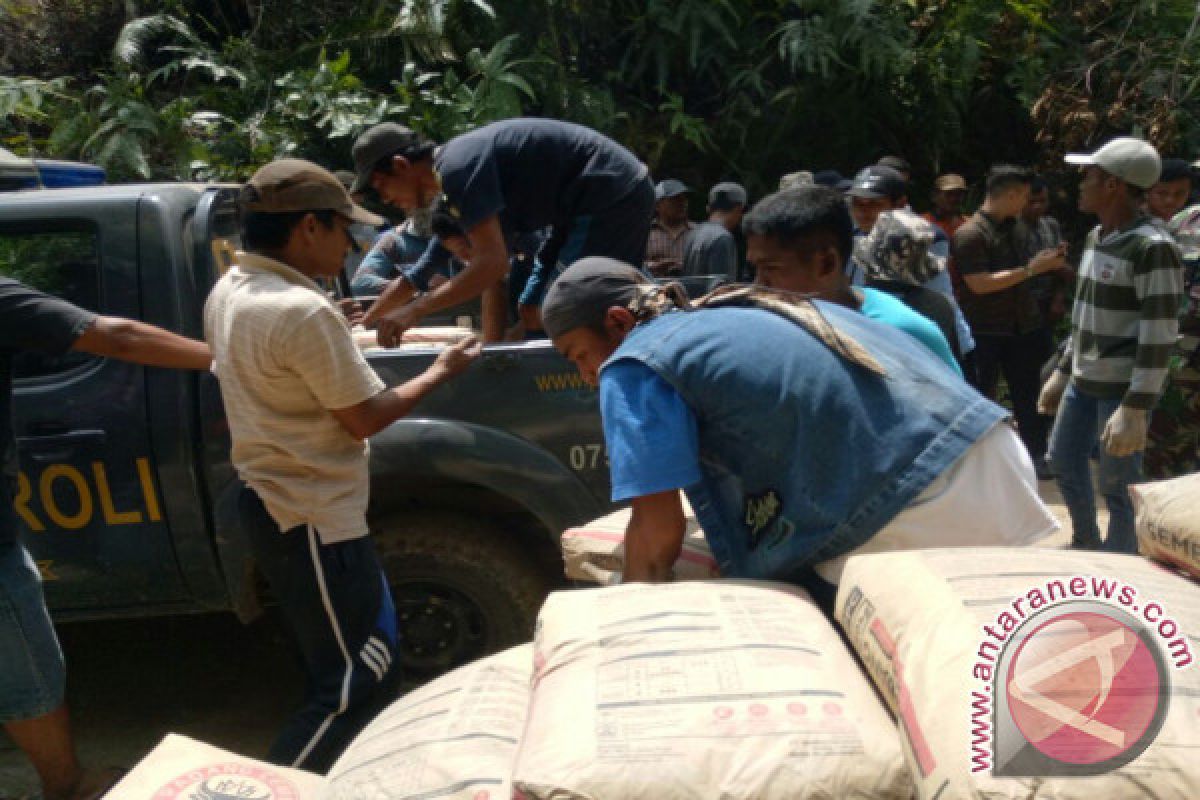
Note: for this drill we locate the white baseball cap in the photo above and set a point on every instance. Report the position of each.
(1132, 160)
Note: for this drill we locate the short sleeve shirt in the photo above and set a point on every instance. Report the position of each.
(711, 250)
(985, 245)
(533, 173)
(882, 307)
(652, 436)
(284, 356)
(29, 320)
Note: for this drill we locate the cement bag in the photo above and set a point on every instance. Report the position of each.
(1168, 521)
(453, 738)
(184, 769)
(700, 690)
(414, 338)
(595, 551)
(1026, 673)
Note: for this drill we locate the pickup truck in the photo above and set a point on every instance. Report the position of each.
(123, 468)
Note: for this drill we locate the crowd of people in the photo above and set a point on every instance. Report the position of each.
(837, 396)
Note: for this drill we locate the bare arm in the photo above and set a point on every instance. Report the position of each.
(130, 340)
(398, 292)
(987, 282)
(654, 537)
(377, 412)
(489, 263)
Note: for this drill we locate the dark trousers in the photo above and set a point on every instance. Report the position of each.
(1019, 357)
(619, 232)
(337, 605)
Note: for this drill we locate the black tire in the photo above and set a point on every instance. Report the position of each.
(463, 588)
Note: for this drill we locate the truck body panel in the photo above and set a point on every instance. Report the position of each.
(123, 467)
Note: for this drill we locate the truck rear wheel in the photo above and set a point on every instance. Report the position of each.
(463, 588)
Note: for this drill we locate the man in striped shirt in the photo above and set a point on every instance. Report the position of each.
(1123, 326)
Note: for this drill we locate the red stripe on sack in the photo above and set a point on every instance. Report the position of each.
(908, 715)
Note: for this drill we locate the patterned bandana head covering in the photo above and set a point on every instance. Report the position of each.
(897, 249)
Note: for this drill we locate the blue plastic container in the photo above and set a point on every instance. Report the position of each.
(64, 174)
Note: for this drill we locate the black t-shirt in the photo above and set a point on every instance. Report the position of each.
(29, 320)
(534, 173)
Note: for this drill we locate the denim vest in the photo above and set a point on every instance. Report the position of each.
(805, 456)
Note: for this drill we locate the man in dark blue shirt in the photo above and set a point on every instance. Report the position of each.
(33, 711)
(504, 179)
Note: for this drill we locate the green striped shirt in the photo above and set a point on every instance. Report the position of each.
(1125, 322)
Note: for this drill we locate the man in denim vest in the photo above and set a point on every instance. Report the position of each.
(800, 430)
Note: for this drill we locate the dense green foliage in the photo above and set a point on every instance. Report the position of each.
(701, 89)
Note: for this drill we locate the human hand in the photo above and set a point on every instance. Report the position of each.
(1048, 260)
(391, 326)
(1125, 432)
(1052, 392)
(352, 310)
(1058, 306)
(394, 295)
(456, 358)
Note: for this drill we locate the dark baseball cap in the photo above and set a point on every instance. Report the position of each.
(586, 290)
(876, 182)
(377, 143)
(670, 188)
(727, 194)
(833, 179)
(292, 184)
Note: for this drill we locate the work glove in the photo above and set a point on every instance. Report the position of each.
(1125, 432)
(1052, 392)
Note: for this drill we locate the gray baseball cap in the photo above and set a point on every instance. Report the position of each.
(670, 188)
(727, 194)
(377, 143)
(1132, 160)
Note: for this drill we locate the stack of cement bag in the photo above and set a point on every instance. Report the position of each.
(696, 690)
(1009, 673)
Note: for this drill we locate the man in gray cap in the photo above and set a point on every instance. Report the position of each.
(800, 430)
(301, 402)
(670, 230)
(504, 181)
(1123, 326)
(713, 247)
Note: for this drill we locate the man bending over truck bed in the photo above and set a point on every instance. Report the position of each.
(301, 401)
(801, 430)
(32, 676)
(503, 180)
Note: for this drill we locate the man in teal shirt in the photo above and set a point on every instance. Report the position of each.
(798, 240)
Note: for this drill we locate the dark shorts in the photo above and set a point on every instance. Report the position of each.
(32, 675)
